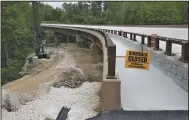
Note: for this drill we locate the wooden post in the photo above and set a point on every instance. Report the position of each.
(131, 36)
(126, 34)
(157, 44)
(149, 41)
(142, 39)
(119, 33)
(184, 52)
(111, 61)
(134, 37)
(168, 51)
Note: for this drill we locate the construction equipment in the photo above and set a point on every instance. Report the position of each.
(41, 50)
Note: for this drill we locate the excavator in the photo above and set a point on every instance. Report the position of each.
(41, 50)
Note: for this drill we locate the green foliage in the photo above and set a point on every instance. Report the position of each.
(122, 13)
(119, 13)
(49, 37)
(18, 38)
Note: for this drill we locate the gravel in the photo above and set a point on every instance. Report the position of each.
(70, 78)
(82, 100)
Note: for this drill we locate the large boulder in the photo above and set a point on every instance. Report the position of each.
(10, 100)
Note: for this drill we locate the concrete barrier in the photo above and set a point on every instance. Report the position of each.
(111, 95)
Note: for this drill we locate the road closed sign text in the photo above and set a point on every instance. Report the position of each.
(137, 59)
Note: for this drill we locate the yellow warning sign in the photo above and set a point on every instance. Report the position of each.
(137, 59)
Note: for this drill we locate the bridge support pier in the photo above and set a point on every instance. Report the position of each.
(79, 41)
(67, 38)
(95, 49)
(55, 40)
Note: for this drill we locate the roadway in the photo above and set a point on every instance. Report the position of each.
(181, 33)
(147, 89)
(142, 115)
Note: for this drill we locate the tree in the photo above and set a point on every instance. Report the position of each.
(17, 38)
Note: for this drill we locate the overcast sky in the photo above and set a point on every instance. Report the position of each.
(56, 4)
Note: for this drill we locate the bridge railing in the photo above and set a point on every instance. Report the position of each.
(111, 48)
(111, 55)
(169, 41)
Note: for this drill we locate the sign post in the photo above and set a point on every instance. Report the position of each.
(137, 59)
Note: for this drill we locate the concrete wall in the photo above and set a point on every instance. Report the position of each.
(170, 65)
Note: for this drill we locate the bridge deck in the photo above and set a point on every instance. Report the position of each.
(146, 89)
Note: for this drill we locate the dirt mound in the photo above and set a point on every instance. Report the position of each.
(72, 78)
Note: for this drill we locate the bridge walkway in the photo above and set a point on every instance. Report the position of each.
(146, 89)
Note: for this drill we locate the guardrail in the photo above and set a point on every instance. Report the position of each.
(169, 41)
(111, 47)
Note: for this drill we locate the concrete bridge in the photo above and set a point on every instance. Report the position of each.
(163, 87)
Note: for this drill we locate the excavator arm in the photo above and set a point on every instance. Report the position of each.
(40, 50)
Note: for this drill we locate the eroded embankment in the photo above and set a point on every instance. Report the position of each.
(64, 80)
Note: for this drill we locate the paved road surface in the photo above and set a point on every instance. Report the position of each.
(142, 115)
